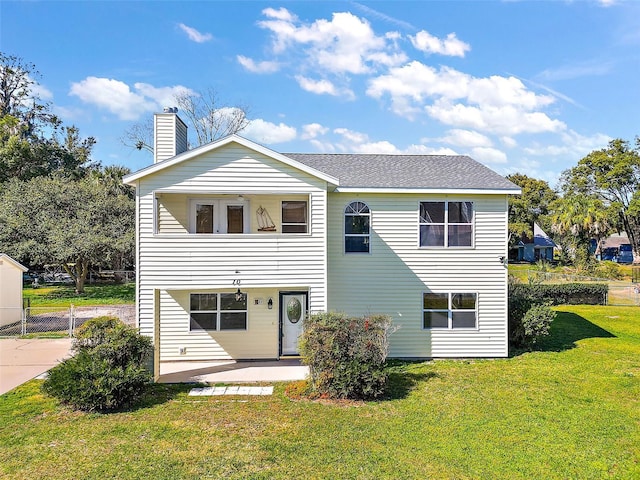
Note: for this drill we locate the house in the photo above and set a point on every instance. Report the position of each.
(540, 247)
(10, 290)
(237, 242)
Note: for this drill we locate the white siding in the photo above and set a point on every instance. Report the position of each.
(10, 291)
(392, 278)
(184, 263)
(170, 136)
(259, 341)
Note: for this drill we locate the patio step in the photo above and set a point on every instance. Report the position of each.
(231, 390)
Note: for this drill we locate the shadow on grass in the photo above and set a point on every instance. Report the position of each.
(401, 382)
(156, 394)
(567, 329)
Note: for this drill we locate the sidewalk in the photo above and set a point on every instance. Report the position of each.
(24, 359)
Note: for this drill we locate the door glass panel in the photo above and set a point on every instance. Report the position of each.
(204, 218)
(235, 218)
(294, 310)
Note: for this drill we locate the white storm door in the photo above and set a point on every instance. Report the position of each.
(293, 310)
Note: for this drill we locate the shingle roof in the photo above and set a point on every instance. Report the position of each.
(405, 171)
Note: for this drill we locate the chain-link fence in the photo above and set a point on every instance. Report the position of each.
(57, 320)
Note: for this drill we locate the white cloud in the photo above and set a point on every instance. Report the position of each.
(313, 130)
(501, 120)
(451, 46)
(164, 96)
(573, 144)
(496, 104)
(509, 142)
(258, 67)
(114, 96)
(262, 131)
(194, 35)
(466, 138)
(323, 86)
(118, 98)
(280, 14)
(344, 44)
(488, 155)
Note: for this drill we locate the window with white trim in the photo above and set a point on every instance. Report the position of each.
(449, 310)
(217, 311)
(294, 216)
(219, 216)
(357, 228)
(446, 224)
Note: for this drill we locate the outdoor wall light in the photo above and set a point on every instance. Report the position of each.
(270, 304)
(239, 296)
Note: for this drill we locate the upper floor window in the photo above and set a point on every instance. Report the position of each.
(219, 216)
(294, 217)
(218, 311)
(449, 310)
(357, 228)
(446, 224)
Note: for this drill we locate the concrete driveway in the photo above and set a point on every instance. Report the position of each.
(24, 359)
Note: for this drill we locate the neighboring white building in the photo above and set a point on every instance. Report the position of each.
(236, 242)
(10, 290)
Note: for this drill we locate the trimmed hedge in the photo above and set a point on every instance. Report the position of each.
(562, 294)
(346, 355)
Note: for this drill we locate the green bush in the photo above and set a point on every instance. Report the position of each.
(536, 323)
(107, 371)
(346, 355)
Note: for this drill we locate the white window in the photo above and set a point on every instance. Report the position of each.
(357, 228)
(219, 216)
(449, 310)
(218, 311)
(294, 217)
(446, 224)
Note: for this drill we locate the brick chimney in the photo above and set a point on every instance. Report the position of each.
(169, 134)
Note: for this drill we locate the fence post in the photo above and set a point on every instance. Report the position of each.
(23, 326)
(71, 320)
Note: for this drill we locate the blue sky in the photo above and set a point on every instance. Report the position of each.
(521, 86)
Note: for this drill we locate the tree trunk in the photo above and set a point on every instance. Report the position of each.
(78, 273)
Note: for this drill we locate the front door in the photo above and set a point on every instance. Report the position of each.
(293, 308)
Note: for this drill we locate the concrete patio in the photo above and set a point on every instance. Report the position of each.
(233, 372)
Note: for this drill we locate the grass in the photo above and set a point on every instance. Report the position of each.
(568, 410)
(64, 295)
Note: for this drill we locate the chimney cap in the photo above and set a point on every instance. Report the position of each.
(170, 110)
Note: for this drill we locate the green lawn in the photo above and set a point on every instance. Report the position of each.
(569, 410)
(64, 295)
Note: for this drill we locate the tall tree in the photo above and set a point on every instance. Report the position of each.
(72, 223)
(207, 117)
(611, 175)
(33, 141)
(576, 219)
(532, 205)
(18, 96)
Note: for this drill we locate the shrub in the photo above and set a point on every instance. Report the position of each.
(346, 355)
(107, 371)
(536, 323)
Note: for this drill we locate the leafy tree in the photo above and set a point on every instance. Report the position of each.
(611, 175)
(576, 219)
(33, 141)
(71, 223)
(18, 98)
(203, 113)
(532, 205)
